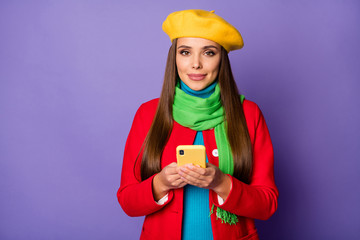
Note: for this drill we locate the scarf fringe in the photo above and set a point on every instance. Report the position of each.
(225, 216)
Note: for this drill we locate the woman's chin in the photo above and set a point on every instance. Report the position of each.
(197, 87)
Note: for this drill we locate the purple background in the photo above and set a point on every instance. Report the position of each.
(73, 73)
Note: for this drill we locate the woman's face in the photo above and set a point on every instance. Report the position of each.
(197, 61)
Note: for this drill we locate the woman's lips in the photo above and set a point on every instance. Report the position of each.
(197, 77)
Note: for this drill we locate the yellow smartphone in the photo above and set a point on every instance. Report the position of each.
(194, 154)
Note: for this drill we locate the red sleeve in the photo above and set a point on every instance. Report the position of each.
(258, 199)
(135, 196)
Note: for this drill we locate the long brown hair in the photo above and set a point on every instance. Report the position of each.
(162, 124)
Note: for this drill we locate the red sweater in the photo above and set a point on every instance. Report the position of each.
(257, 200)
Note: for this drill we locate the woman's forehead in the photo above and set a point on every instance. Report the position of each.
(196, 42)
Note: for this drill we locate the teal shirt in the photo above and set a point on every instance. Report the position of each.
(196, 221)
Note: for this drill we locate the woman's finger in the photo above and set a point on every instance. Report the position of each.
(196, 169)
(196, 181)
(179, 183)
(190, 173)
(171, 169)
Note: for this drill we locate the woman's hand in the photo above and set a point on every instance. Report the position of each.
(165, 180)
(210, 177)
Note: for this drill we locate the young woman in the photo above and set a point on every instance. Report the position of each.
(200, 105)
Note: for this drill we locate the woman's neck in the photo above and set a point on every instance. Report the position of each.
(204, 93)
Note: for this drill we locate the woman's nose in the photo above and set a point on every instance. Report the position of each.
(196, 63)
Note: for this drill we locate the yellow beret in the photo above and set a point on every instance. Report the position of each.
(202, 24)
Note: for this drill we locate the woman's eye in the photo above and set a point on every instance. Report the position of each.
(210, 53)
(184, 52)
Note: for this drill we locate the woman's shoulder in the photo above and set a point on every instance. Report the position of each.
(149, 107)
(252, 112)
(250, 107)
(145, 114)
(147, 110)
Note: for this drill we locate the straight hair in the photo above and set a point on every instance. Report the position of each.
(236, 128)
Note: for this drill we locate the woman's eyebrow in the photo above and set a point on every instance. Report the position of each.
(184, 46)
(210, 46)
(205, 47)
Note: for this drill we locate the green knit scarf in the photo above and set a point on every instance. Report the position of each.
(205, 113)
